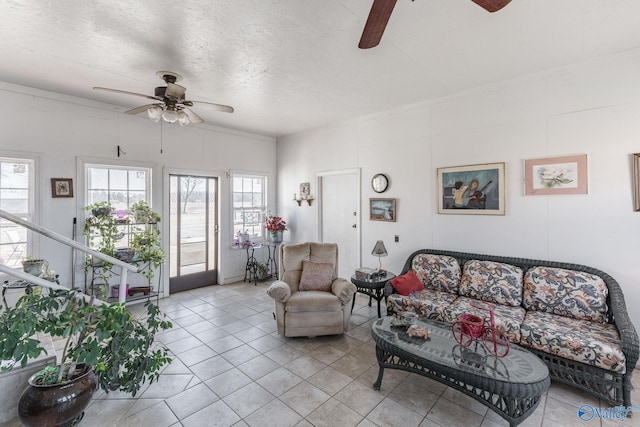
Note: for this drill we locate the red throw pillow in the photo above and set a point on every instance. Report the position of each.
(407, 283)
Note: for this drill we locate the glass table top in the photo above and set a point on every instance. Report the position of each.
(518, 366)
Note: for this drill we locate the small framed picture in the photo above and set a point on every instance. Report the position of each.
(305, 190)
(472, 189)
(636, 182)
(556, 175)
(61, 187)
(382, 210)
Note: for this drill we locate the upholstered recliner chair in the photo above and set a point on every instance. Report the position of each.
(310, 300)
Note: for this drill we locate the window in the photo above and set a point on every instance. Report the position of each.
(249, 204)
(17, 185)
(120, 186)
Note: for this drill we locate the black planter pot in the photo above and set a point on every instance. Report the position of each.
(58, 405)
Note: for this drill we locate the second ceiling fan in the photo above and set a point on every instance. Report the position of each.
(381, 12)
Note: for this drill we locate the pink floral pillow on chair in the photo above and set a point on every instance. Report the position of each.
(316, 276)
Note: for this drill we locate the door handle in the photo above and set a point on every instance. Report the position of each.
(354, 226)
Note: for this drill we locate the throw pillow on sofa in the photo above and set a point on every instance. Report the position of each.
(316, 276)
(407, 283)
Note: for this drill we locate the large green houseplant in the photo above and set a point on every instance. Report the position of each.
(119, 346)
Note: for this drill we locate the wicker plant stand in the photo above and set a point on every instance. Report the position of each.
(511, 386)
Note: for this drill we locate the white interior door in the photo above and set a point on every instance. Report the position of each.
(340, 217)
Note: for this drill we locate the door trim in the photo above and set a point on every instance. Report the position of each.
(357, 172)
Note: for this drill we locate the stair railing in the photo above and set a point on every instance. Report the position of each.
(124, 267)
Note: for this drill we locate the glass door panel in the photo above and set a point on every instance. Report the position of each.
(193, 229)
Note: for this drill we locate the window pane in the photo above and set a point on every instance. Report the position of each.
(137, 180)
(118, 179)
(98, 178)
(14, 201)
(16, 196)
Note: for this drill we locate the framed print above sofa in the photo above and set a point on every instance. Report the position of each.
(472, 189)
(556, 175)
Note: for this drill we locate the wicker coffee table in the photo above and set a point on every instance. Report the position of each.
(510, 385)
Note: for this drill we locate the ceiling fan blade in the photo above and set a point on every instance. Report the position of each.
(219, 107)
(492, 5)
(175, 91)
(193, 116)
(124, 92)
(376, 23)
(141, 109)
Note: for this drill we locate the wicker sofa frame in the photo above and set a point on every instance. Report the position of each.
(614, 387)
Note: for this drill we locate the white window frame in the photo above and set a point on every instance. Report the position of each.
(261, 235)
(148, 178)
(31, 215)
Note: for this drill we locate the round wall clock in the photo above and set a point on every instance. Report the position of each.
(380, 183)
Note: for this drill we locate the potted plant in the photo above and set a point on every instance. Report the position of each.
(145, 239)
(102, 231)
(34, 266)
(105, 345)
(275, 225)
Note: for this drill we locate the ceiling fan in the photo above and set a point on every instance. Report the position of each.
(171, 105)
(381, 12)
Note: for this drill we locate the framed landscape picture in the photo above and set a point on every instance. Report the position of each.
(382, 210)
(556, 175)
(472, 189)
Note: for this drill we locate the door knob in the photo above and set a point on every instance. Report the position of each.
(354, 226)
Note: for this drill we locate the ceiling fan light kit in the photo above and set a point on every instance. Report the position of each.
(172, 103)
(381, 12)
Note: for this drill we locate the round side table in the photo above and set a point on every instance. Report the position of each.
(373, 287)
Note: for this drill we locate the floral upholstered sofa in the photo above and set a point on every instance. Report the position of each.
(572, 316)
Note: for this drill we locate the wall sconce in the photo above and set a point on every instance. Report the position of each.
(309, 199)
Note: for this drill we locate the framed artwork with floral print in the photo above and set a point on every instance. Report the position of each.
(61, 187)
(556, 175)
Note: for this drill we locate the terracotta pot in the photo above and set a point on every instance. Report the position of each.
(57, 405)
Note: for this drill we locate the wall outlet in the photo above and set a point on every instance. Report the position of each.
(396, 238)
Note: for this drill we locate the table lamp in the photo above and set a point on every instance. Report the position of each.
(379, 250)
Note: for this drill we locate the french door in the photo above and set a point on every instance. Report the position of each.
(193, 228)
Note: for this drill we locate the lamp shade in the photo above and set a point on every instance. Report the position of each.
(379, 249)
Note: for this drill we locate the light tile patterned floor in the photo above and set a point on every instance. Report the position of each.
(231, 368)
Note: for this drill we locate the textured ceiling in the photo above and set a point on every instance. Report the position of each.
(292, 65)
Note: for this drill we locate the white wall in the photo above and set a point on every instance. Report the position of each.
(593, 108)
(60, 129)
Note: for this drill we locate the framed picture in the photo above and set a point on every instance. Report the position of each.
(471, 190)
(305, 190)
(556, 175)
(61, 187)
(636, 182)
(382, 210)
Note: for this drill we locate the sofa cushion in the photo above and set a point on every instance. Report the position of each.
(567, 293)
(506, 318)
(438, 272)
(427, 303)
(407, 283)
(490, 281)
(596, 344)
(316, 276)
